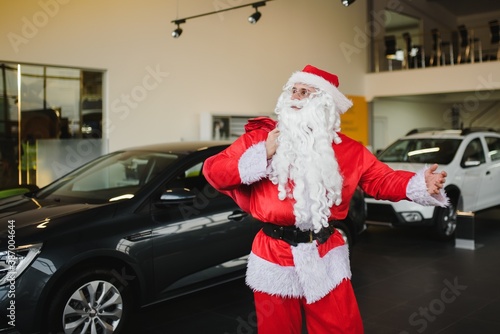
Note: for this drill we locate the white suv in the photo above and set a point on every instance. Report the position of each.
(470, 157)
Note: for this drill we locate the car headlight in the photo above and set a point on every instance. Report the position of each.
(14, 262)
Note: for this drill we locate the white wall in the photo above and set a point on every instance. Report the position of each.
(156, 86)
(402, 115)
(429, 94)
(481, 80)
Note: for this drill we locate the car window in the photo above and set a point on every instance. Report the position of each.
(421, 150)
(493, 148)
(194, 171)
(132, 171)
(113, 177)
(190, 178)
(191, 189)
(473, 154)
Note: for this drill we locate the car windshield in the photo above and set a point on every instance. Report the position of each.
(113, 177)
(421, 150)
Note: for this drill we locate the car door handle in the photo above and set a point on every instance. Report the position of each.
(237, 215)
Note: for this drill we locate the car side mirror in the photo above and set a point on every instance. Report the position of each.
(471, 163)
(176, 196)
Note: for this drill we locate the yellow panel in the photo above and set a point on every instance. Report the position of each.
(354, 123)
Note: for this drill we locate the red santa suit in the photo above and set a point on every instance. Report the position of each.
(316, 274)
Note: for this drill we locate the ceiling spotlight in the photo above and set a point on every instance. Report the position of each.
(178, 31)
(256, 16)
(347, 2)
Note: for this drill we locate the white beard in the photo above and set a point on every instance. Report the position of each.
(305, 156)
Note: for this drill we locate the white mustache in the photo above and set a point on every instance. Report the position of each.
(295, 103)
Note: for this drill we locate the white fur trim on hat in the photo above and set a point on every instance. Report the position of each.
(342, 103)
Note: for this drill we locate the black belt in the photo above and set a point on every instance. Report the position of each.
(294, 235)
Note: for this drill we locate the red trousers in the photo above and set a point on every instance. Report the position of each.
(336, 313)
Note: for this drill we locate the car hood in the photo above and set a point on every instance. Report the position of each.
(42, 215)
(21, 203)
(29, 216)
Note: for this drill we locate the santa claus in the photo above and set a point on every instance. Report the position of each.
(298, 175)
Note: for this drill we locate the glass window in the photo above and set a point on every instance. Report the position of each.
(493, 148)
(49, 102)
(191, 178)
(113, 177)
(473, 154)
(421, 150)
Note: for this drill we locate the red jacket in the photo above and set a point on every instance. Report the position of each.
(308, 270)
(357, 166)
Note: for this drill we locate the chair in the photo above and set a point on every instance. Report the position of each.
(467, 43)
(391, 51)
(437, 48)
(413, 53)
(495, 36)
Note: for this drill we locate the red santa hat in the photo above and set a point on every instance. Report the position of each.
(322, 80)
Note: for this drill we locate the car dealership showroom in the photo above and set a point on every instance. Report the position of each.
(133, 166)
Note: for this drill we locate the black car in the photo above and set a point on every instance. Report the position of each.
(131, 228)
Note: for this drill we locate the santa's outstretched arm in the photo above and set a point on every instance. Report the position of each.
(424, 187)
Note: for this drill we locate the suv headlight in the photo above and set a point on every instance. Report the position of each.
(14, 262)
(412, 216)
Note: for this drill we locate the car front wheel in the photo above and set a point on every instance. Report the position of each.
(94, 301)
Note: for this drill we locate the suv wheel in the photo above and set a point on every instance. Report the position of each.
(445, 221)
(93, 301)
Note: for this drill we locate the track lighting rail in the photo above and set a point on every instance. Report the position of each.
(252, 19)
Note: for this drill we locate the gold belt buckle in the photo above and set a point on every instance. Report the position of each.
(310, 236)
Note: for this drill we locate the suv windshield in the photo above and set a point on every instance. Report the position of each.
(421, 150)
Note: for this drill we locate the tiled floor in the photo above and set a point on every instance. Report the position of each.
(404, 281)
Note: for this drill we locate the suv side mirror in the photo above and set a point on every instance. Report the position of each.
(471, 163)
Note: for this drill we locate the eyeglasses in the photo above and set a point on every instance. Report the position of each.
(302, 93)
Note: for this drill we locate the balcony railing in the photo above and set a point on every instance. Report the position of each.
(402, 50)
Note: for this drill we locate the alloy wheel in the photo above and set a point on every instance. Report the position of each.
(94, 308)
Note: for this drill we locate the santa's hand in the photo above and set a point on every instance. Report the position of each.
(272, 142)
(434, 181)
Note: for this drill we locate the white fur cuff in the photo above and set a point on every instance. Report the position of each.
(253, 163)
(416, 190)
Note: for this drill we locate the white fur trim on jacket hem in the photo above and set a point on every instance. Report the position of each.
(416, 190)
(312, 277)
(253, 163)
